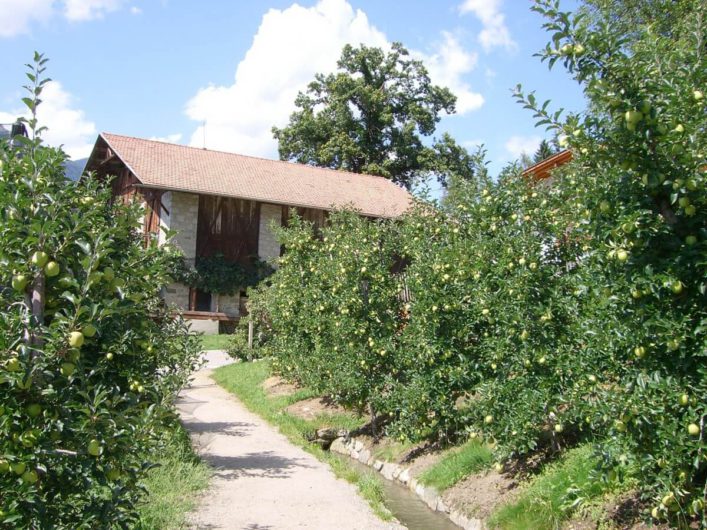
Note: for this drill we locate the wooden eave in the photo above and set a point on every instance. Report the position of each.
(543, 169)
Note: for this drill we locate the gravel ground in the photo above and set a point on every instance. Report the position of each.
(261, 481)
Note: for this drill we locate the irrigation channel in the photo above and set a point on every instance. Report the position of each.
(407, 507)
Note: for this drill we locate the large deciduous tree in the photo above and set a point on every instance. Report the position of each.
(371, 116)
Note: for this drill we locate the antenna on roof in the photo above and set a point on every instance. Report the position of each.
(204, 131)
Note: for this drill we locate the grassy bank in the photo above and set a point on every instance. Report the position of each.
(245, 380)
(554, 495)
(457, 464)
(174, 484)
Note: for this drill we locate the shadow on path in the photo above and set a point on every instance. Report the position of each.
(267, 464)
(229, 428)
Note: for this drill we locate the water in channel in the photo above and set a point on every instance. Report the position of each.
(406, 506)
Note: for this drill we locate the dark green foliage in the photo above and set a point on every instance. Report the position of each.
(216, 274)
(371, 117)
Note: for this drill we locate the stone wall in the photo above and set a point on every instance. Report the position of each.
(268, 246)
(183, 215)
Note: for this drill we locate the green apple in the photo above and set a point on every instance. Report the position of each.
(578, 49)
(488, 419)
(67, 369)
(620, 426)
(89, 330)
(621, 255)
(690, 210)
(655, 512)
(676, 286)
(559, 428)
(639, 352)
(39, 258)
(75, 339)
(12, 364)
(633, 116)
(498, 467)
(668, 500)
(4, 465)
(30, 477)
(113, 474)
(95, 448)
(604, 206)
(18, 468)
(109, 356)
(52, 269)
(690, 240)
(34, 410)
(693, 429)
(86, 200)
(679, 128)
(697, 95)
(108, 274)
(19, 282)
(684, 400)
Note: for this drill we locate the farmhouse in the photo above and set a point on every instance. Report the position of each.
(224, 203)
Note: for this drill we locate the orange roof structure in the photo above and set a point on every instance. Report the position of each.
(542, 170)
(166, 166)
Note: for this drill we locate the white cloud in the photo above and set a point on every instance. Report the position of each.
(494, 32)
(517, 145)
(16, 15)
(290, 46)
(134, 10)
(80, 10)
(170, 138)
(447, 66)
(67, 125)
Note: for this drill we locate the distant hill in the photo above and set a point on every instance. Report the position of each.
(74, 168)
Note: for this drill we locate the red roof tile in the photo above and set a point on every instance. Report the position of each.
(189, 169)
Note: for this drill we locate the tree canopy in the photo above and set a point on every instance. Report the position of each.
(371, 117)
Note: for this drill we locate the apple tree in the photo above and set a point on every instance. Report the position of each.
(89, 360)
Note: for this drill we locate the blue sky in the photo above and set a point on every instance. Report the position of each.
(160, 68)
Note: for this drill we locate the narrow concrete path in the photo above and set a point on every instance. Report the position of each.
(261, 481)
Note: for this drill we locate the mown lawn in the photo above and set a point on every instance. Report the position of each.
(245, 380)
(215, 342)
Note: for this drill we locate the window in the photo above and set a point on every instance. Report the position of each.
(199, 300)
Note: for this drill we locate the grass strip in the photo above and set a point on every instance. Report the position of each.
(174, 484)
(551, 497)
(244, 380)
(470, 458)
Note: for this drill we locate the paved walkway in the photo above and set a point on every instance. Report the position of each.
(261, 481)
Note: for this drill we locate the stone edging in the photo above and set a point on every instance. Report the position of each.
(355, 449)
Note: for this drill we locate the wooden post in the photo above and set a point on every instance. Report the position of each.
(250, 334)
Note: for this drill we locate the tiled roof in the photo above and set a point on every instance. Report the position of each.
(181, 168)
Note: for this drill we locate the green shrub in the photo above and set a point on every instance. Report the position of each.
(89, 361)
